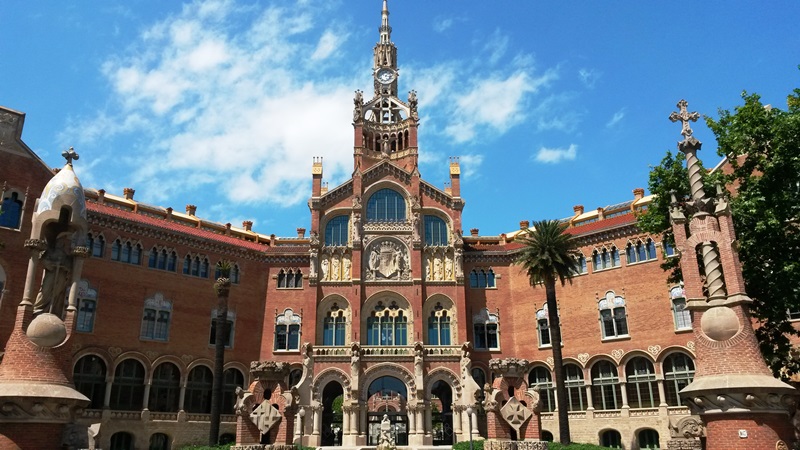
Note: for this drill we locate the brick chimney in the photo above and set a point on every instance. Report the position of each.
(191, 209)
(228, 229)
(601, 214)
(301, 233)
(474, 232)
(169, 213)
(524, 224)
(638, 194)
(578, 209)
(128, 193)
(247, 225)
(324, 188)
(101, 196)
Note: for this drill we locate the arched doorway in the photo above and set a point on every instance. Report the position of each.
(387, 396)
(441, 396)
(332, 399)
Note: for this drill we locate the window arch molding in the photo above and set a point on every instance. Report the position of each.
(391, 185)
(127, 250)
(139, 357)
(288, 331)
(613, 316)
(96, 242)
(162, 258)
(543, 326)
(640, 249)
(486, 330)
(441, 309)
(605, 257)
(331, 307)
(391, 305)
(173, 360)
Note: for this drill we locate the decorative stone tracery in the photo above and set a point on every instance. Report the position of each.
(387, 259)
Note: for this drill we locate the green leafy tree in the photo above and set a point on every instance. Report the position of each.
(762, 146)
(549, 256)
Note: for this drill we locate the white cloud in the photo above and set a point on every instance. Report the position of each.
(470, 164)
(442, 24)
(203, 103)
(589, 77)
(496, 46)
(556, 155)
(616, 118)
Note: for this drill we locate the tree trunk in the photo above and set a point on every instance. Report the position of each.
(558, 362)
(219, 363)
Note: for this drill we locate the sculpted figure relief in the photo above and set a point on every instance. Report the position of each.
(57, 264)
(324, 267)
(335, 268)
(346, 265)
(356, 227)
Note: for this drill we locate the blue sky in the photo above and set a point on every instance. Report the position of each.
(223, 104)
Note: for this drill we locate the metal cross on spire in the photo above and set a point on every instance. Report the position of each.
(70, 155)
(684, 116)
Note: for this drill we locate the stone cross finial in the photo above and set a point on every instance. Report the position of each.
(684, 116)
(70, 155)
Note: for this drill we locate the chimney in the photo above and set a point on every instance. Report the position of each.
(101, 196)
(228, 229)
(448, 189)
(247, 225)
(324, 189)
(474, 232)
(455, 177)
(272, 240)
(601, 214)
(503, 239)
(578, 209)
(524, 224)
(316, 176)
(638, 193)
(191, 209)
(128, 193)
(169, 213)
(301, 233)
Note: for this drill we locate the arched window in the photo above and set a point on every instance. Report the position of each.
(172, 261)
(89, 376)
(648, 438)
(543, 326)
(187, 265)
(386, 205)
(435, 231)
(136, 254)
(198, 391)
(611, 438)
(640, 251)
(580, 265)
(333, 326)
(204, 268)
(232, 378)
(669, 250)
(605, 258)
(387, 325)
(547, 436)
(482, 278)
(540, 376)
(287, 331)
(682, 316)
(11, 210)
(121, 441)
(641, 383)
(486, 330)
(235, 274)
(606, 393)
(152, 261)
(159, 441)
(116, 250)
(439, 326)
(127, 391)
(165, 389)
(87, 307)
(96, 244)
(576, 391)
(613, 316)
(156, 318)
(337, 231)
(678, 373)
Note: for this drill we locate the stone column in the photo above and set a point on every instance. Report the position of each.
(428, 421)
(625, 411)
(298, 428)
(182, 397)
(420, 417)
(317, 419)
(457, 419)
(475, 431)
(412, 422)
(346, 420)
(146, 400)
(107, 397)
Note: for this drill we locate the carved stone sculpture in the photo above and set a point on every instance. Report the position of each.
(57, 264)
(346, 267)
(387, 260)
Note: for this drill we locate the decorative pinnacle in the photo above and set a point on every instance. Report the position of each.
(684, 116)
(70, 155)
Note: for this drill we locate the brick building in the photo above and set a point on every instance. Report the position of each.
(367, 315)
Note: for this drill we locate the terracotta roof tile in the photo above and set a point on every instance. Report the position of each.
(612, 222)
(177, 227)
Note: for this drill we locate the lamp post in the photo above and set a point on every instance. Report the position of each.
(469, 415)
(299, 427)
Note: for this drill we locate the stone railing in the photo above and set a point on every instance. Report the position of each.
(644, 412)
(576, 415)
(379, 351)
(678, 411)
(547, 416)
(92, 414)
(443, 351)
(331, 352)
(126, 415)
(164, 416)
(607, 414)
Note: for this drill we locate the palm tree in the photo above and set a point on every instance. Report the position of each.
(222, 287)
(548, 256)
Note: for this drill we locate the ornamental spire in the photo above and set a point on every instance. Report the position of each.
(385, 30)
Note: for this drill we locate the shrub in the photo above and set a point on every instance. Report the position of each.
(573, 446)
(206, 447)
(476, 445)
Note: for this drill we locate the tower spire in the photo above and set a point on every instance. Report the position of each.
(385, 30)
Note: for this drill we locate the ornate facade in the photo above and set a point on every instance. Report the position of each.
(386, 310)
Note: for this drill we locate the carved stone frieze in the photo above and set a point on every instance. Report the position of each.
(22, 409)
(509, 367)
(269, 370)
(336, 264)
(387, 227)
(491, 444)
(439, 264)
(686, 427)
(711, 401)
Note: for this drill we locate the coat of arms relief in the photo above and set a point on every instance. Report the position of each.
(387, 259)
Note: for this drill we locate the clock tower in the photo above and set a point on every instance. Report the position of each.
(385, 126)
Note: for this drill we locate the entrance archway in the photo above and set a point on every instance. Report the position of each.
(387, 396)
(332, 400)
(441, 396)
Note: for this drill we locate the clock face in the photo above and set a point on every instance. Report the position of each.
(385, 76)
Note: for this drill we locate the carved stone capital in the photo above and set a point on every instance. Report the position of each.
(269, 370)
(509, 367)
